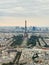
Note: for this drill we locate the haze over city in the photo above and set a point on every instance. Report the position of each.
(24, 32)
(14, 12)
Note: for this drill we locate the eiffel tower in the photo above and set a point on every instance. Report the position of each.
(25, 33)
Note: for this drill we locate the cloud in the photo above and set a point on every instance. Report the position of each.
(24, 8)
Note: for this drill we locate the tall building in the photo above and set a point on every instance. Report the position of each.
(25, 26)
(25, 34)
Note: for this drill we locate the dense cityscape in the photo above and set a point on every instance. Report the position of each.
(24, 45)
(24, 32)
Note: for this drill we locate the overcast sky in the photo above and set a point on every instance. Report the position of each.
(24, 9)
